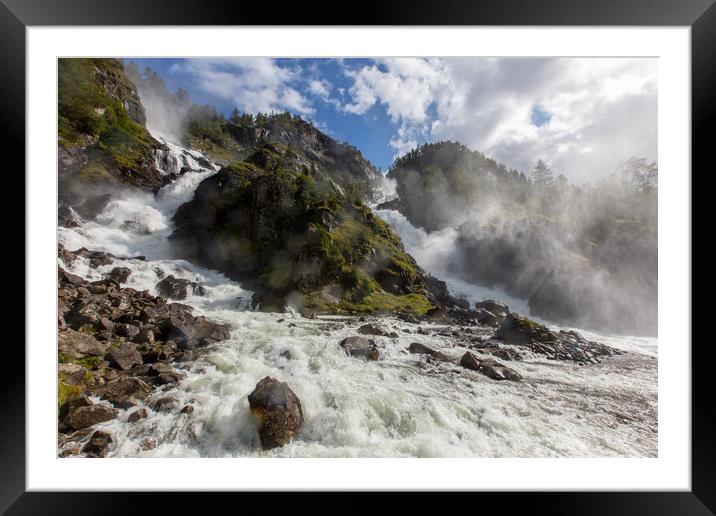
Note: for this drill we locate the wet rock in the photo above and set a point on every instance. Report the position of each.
(123, 392)
(360, 347)
(498, 371)
(164, 404)
(187, 409)
(120, 274)
(72, 374)
(88, 415)
(489, 367)
(125, 357)
(470, 361)
(178, 288)
(374, 329)
(164, 373)
(148, 444)
(277, 410)
(137, 415)
(75, 344)
(422, 349)
(98, 445)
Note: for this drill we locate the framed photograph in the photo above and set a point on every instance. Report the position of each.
(435, 249)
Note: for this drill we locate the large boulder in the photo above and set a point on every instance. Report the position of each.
(277, 410)
(422, 349)
(88, 415)
(501, 310)
(360, 347)
(72, 374)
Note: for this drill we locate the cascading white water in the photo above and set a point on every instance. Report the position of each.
(395, 407)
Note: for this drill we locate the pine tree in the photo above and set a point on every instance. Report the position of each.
(542, 174)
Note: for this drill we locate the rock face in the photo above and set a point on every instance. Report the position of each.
(500, 310)
(277, 410)
(279, 225)
(562, 345)
(360, 347)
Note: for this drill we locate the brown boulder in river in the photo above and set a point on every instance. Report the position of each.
(278, 411)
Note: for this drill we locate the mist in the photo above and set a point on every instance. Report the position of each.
(167, 113)
(584, 256)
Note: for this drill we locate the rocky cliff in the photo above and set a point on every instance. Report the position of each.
(102, 138)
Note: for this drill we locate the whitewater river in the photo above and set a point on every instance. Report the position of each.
(396, 407)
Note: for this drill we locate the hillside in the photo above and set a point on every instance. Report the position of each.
(581, 255)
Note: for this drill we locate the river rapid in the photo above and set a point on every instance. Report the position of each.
(399, 406)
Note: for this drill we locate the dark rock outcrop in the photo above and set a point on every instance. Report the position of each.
(561, 345)
(277, 410)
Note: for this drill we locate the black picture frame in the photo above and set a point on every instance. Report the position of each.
(16, 15)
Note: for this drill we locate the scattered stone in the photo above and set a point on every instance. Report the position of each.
(137, 415)
(125, 357)
(378, 331)
(75, 344)
(360, 347)
(127, 330)
(123, 392)
(422, 349)
(164, 404)
(98, 445)
(120, 274)
(277, 410)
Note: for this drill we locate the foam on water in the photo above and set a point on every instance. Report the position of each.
(396, 407)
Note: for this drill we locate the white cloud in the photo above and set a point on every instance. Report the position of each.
(601, 109)
(251, 84)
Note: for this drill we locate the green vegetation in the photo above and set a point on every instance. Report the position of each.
(66, 392)
(90, 115)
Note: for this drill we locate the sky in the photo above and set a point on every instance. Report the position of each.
(580, 115)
